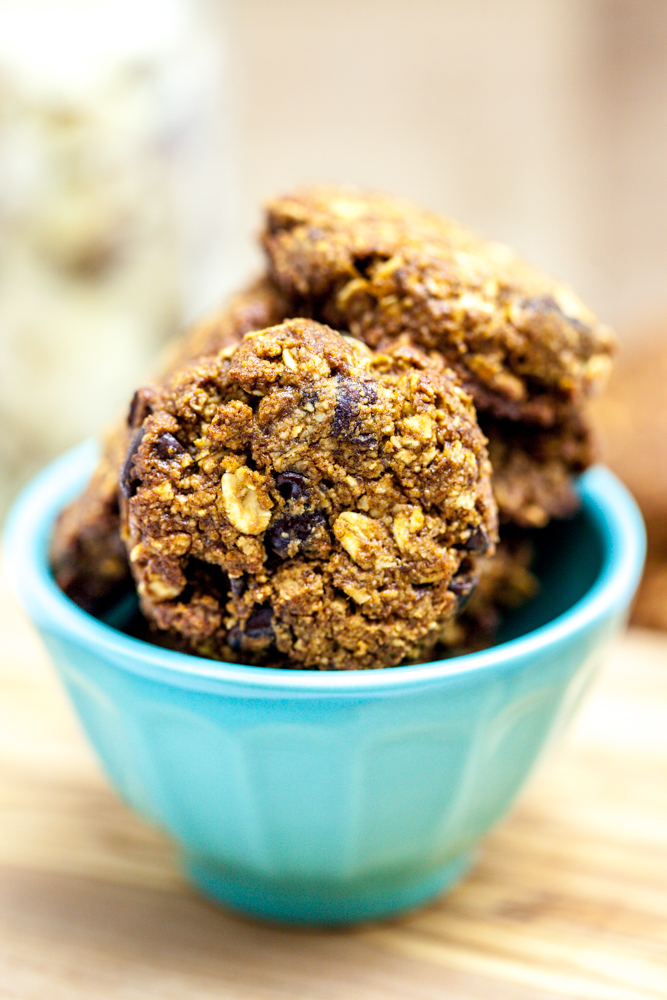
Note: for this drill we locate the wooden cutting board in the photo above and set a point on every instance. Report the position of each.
(568, 898)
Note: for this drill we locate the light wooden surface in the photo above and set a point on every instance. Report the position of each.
(568, 898)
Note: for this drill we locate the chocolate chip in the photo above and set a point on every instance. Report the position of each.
(291, 485)
(462, 587)
(293, 527)
(350, 393)
(260, 623)
(256, 635)
(309, 396)
(235, 639)
(366, 440)
(238, 585)
(347, 406)
(478, 541)
(168, 447)
(127, 481)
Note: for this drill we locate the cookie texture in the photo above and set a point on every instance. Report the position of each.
(534, 468)
(88, 558)
(301, 500)
(524, 346)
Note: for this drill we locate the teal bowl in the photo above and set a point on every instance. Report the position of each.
(324, 797)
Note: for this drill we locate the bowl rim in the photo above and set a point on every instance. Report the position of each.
(26, 538)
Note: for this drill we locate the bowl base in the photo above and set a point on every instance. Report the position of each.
(296, 902)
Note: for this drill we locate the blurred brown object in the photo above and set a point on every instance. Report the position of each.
(632, 418)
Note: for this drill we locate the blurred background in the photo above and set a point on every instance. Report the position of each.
(138, 141)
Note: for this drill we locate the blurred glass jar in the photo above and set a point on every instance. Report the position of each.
(116, 206)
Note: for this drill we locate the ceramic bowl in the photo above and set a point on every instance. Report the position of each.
(324, 797)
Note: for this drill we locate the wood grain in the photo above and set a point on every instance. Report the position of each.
(568, 898)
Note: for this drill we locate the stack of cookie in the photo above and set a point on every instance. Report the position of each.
(317, 481)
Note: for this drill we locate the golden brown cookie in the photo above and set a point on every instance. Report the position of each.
(301, 497)
(534, 468)
(524, 346)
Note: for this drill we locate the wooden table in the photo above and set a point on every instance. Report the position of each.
(568, 898)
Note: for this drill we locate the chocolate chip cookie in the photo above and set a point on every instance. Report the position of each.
(524, 346)
(302, 500)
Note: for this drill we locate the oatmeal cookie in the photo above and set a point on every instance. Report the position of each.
(300, 497)
(534, 468)
(524, 346)
(88, 558)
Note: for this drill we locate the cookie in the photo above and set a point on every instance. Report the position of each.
(524, 346)
(88, 558)
(535, 469)
(301, 500)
